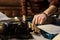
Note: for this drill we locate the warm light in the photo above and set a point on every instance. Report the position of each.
(15, 17)
(54, 15)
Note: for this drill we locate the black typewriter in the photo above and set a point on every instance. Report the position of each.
(16, 29)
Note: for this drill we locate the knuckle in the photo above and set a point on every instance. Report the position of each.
(35, 15)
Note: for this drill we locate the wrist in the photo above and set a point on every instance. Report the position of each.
(45, 14)
(50, 10)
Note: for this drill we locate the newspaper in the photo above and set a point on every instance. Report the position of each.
(50, 28)
(3, 17)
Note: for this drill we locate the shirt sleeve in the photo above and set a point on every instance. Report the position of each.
(54, 2)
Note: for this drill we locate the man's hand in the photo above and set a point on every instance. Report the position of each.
(39, 19)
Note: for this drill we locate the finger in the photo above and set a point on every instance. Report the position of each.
(33, 21)
(42, 20)
(39, 19)
(36, 19)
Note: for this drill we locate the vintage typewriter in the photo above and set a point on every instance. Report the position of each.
(18, 28)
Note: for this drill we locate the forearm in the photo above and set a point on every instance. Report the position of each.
(50, 10)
